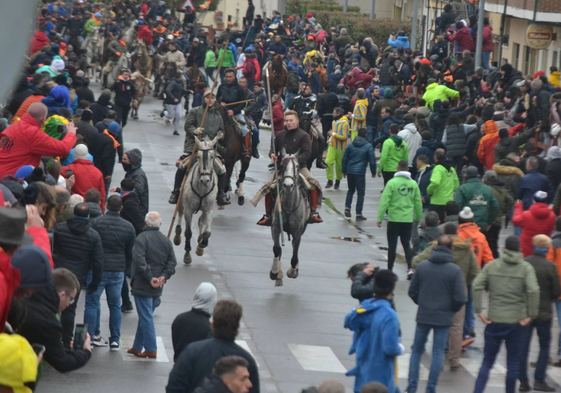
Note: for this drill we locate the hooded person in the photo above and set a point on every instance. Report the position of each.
(59, 97)
(539, 219)
(101, 107)
(132, 164)
(194, 325)
(413, 139)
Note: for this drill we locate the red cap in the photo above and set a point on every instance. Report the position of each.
(538, 73)
(425, 61)
(290, 17)
(309, 16)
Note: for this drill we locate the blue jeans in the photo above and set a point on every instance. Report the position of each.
(485, 56)
(469, 322)
(495, 334)
(358, 183)
(146, 331)
(439, 345)
(371, 133)
(287, 98)
(544, 336)
(112, 283)
(240, 117)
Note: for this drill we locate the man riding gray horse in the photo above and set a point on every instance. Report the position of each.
(292, 140)
(212, 126)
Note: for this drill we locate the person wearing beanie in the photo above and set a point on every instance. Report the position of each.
(467, 229)
(42, 325)
(401, 200)
(479, 197)
(548, 281)
(514, 298)
(375, 322)
(443, 182)
(24, 171)
(506, 203)
(538, 220)
(438, 288)
(86, 174)
(532, 182)
(194, 325)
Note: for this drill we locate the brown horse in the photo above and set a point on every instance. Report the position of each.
(232, 151)
(142, 60)
(278, 75)
(142, 86)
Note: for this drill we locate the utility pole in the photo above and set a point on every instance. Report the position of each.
(479, 44)
(372, 9)
(345, 6)
(413, 39)
(503, 22)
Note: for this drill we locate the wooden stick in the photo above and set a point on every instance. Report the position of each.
(195, 147)
(237, 102)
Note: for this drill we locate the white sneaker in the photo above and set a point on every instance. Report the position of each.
(99, 341)
(410, 274)
(115, 346)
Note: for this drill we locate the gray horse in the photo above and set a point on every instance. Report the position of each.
(295, 214)
(199, 194)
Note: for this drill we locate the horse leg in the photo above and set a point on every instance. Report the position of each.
(293, 271)
(276, 272)
(188, 234)
(204, 232)
(239, 183)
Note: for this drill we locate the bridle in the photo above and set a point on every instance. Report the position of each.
(206, 170)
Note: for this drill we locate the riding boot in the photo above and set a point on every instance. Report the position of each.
(222, 197)
(314, 215)
(320, 163)
(247, 145)
(266, 219)
(179, 175)
(104, 84)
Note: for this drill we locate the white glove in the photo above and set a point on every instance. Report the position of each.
(402, 349)
(199, 131)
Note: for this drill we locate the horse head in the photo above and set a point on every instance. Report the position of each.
(290, 170)
(205, 157)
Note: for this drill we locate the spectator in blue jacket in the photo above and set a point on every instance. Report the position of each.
(401, 40)
(357, 156)
(376, 335)
(532, 182)
(428, 145)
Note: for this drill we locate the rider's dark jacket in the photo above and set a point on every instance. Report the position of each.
(303, 103)
(213, 125)
(229, 93)
(294, 141)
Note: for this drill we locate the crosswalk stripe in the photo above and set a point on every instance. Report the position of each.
(126, 344)
(243, 344)
(317, 358)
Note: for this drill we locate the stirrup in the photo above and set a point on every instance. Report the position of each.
(315, 218)
(265, 221)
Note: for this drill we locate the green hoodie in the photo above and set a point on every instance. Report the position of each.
(514, 293)
(480, 198)
(228, 59)
(393, 151)
(443, 182)
(401, 198)
(434, 92)
(210, 59)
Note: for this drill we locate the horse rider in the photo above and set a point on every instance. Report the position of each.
(115, 50)
(228, 93)
(92, 23)
(293, 140)
(75, 28)
(212, 126)
(145, 34)
(173, 56)
(159, 34)
(305, 102)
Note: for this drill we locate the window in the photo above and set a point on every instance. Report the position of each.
(516, 55)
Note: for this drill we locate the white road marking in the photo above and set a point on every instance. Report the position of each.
(317, 358)
(126, 344)
(243, 344)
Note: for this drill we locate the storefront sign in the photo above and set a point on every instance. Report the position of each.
(539, 36)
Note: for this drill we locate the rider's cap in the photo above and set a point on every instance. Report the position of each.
(97, 14)
(207, 93)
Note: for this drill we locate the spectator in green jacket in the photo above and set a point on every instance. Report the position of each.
(479, 197)
(394, 150)
(210, 62)
(401, 199)
(443, 182)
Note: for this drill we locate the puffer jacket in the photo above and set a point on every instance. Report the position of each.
(427, 148)
(506, 201)
(480, 198)
(443, 182)
(213, 125)
(462, 255)
(538, 220)
(78, 248)
(402, 41)
(131, 211)
(548, 280)
(229, 93)
(153, 257)
(471, 232)
(514, 293)
(358, 155)
(87, 177)
(554, 253)
(508, 173)
(137, 174)
(413, 139)
(529, 184)
(456, 140)
(117, 237)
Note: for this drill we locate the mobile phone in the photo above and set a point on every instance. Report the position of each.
(80, 335)
(38, 348)
(68, 173)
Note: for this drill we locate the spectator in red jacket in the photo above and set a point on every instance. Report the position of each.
(249, 71)
(487, 43)
(538, 220)
(144, 33)
(13, 281)
(278, 114)
(24, 143)
(39, 40)
(86, 174)
(463, 36)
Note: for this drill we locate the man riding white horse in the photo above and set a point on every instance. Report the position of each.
(115, 50)
(212, 126)
(292, 140)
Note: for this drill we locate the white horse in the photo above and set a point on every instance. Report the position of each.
(130, 34)
(199, 194)
(90, 45)
(124, 62)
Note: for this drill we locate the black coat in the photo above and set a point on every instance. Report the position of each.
(548, 280)
(363, 286)
(553, 172)
(174, 91)
(326, 103)
(103, 151)
(101, 107)
(438, 288)
(213, 384)
(153, 256)
(137, 174)
(89, 133)
(42, 326)
(117, 238)
(189, 327)
(78, 248)
(132, 212)
(85, 93)
(124, 92)
(229, 94)
(197, 361)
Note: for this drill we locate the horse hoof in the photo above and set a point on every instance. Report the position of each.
(292, 273)
(200, 251)
(276, 276)
(187, 258)
(177, 240)
(220, 207)
(278, 283)
(241, 200)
